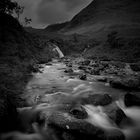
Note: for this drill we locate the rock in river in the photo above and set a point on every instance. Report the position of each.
(68, 70)
(128, 83)
(131, 100)
(83, 77)
(97, 99)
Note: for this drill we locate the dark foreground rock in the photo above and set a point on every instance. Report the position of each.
(131, 100)
(73, 129)
(97, 99)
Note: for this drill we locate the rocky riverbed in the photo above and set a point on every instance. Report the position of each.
(78, 99)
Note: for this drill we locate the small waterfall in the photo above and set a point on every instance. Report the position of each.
(97, 117)
(57, 49)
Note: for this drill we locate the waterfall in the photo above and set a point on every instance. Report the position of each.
(57, 49)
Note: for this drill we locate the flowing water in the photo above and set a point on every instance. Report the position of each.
(53, 82)
(98, 118)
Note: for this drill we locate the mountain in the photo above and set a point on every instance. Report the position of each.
(103, 16)
(109, 29)
(56, 27)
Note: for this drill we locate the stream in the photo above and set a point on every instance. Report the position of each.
(65, 101)
(53, 79)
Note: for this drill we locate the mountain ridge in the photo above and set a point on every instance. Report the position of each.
(102, 15)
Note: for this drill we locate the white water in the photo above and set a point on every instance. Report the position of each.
(61, 55)
(97, 117)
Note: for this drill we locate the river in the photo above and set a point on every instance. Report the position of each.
(53, 87)
(53, 79)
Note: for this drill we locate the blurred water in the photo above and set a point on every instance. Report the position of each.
(97, 117)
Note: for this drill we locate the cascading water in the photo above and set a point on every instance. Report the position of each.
(98, 118)
(57, 49)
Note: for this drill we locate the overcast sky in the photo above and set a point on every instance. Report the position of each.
(44, 12)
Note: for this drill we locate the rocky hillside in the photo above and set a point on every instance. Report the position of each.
(114, 24)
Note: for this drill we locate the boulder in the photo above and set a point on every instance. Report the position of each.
(83, 76)
(68, 70)
(102, 78)
(77, 129)
(97, 99)
(85, 62)
(135, 67)
(95, 71)
(128, 83)
(79, 112)
(114, 134)
(117, 115)
(131, 100)
(82, 67)
(69, 65)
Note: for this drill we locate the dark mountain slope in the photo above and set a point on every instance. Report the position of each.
(105, 15)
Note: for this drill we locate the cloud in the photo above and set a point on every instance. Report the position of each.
(44, 12)
(52, 11)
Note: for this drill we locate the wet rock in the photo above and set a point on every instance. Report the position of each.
(79, 112)
(78, 128)
(83, 77)
(127, 83)
(135, 67)
(97, 99)
(95, 71)
(85, 62)
(82, 67)
(69, 70)
(131, 100)
(75, 129)
(49, 64)
(102, 78)
(69, 65)
(117, 115)
(114, 134)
